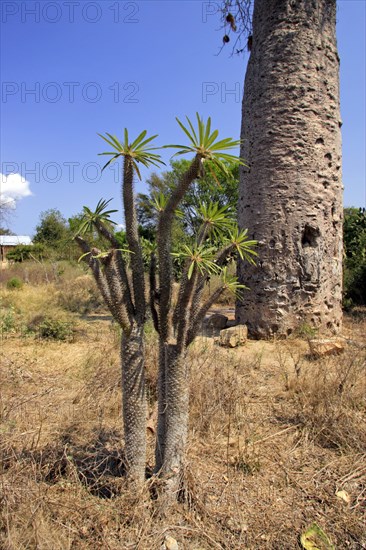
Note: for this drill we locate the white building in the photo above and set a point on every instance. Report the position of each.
(8, 242)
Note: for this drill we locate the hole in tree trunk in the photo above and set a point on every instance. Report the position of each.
(310, 236)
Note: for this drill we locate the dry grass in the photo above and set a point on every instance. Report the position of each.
(41, 273)
(273, 437)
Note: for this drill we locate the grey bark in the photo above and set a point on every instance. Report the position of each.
(291, 194)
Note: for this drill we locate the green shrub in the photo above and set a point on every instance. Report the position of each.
(55, 329)
(7, 320)
(14, 283)
(307, 331)
(354, 238)
(354, 285)
(24, 252)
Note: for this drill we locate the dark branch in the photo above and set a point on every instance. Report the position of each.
(220, 260)
(104, 232)
(153, 293)
(183, 314)
(200, 315)
(237, 20)
(121, 268)
(119, 293)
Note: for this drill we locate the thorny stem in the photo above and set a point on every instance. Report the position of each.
(133, 241)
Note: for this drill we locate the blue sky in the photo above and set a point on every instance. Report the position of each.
(70, 69)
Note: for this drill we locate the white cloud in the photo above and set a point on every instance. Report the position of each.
(12, 188)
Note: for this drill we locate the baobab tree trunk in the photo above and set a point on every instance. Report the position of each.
(291, 194)
(134, 402)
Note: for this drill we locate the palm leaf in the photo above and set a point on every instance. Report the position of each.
(109, 162)
(201, 129)
(212, 138)
(138, 140)
(192, 130)
(194, 141)
(137, 170)
(142, 145)
(208, 130)
(190, 270)
(117, 145)
(107, 140)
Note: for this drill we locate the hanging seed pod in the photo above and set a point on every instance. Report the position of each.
(231, 20)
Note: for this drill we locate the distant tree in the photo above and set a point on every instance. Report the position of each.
(6, 212)
(56, 235)
(354, 240)
(5, 231)
(52, 229)
(74, 222)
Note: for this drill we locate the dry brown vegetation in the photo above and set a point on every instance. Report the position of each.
(274, 435)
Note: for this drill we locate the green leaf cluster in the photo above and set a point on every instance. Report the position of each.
(204, 143)
(354, 239)
(136, 151)
(200, 257)
(91, 218)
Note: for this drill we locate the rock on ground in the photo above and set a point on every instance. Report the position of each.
(233, 336)
(330, 346)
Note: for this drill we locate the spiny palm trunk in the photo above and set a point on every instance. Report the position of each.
(132, 236)
(173, 388)
(134, 402)
(133, 375)
(291, 194)
(176, 418)
(173, 380)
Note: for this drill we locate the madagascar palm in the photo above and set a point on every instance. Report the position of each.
(126, 302)
(177, 324)
(208, 151)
